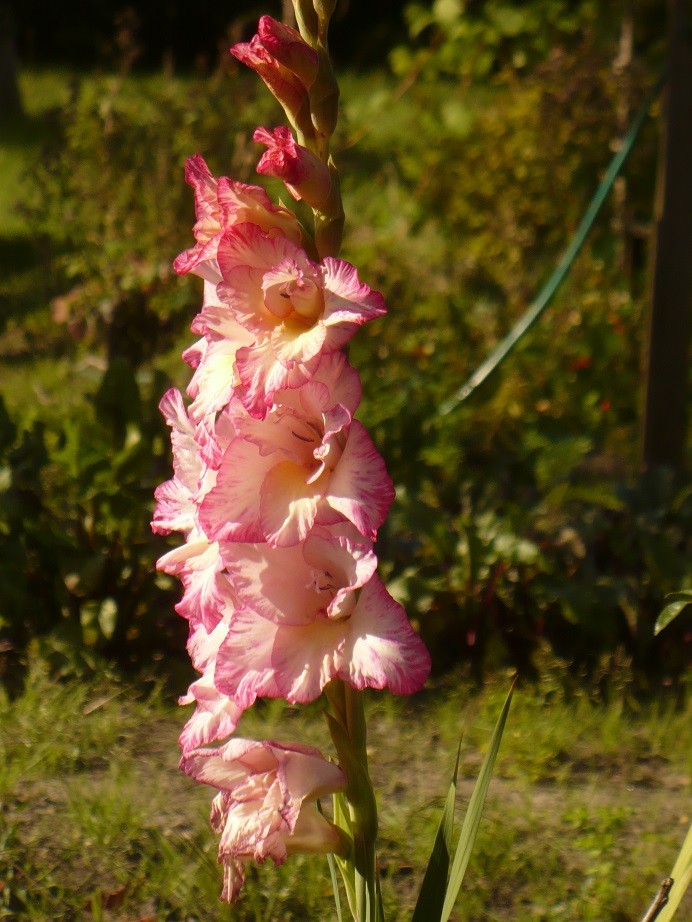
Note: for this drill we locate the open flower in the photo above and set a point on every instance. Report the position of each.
(286, 63)
(305, 175)
(311, 613)
(308, 462)
(297, 310)
(221, 203)
(266, 803)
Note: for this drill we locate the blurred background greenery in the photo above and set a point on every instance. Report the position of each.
(472, 136)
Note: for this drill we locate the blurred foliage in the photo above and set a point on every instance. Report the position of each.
(475, 39)
(521, 517)
(110, 206)
(76, 552)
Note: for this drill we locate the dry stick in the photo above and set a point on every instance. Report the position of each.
(660, 900)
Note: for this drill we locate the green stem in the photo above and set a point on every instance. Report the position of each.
(363, 811)
(350, 739)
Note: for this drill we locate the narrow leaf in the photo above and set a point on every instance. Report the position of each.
(682, 876)
(432, 891)
(345, 866)
(472, 819)
(335, 886)
(677, 601)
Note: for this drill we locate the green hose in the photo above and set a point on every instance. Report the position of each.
(558, 274)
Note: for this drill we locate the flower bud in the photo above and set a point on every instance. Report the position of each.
(288, 47)
(305, 175)
(288, 66)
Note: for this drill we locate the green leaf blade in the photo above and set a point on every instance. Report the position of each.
(431, 895)
(472, 819)
(677, 601)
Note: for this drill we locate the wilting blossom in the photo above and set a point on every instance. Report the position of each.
(266, 805)
(221, 203)
(297, 309)
(308, 462)
(286, 63)
(311, 613)
(305, 175)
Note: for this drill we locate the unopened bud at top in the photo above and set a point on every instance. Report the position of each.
(289, 48)
(286, 63)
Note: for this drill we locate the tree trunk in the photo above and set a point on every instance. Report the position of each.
(666, 357)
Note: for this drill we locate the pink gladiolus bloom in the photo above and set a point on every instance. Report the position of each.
(286, 63)
(177, 499)
(311, 613)
(305, 175)
(308, 462)
(197, 562)
(216, 715)
(266, 803)
(296, 309)
(221, 203)
(214, 356)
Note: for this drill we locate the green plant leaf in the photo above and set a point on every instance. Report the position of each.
(472, 819)
(682, 876)
(335, 886)
(346, 868)
(677, 601)
(432, 891)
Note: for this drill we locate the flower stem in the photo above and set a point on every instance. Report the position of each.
(350, 739)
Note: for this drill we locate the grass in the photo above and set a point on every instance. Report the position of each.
(587, 810)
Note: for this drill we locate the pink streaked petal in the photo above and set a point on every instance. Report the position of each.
(247, 245)
(345, 558)
(215, 716)
(272, 581)
(175, 508)
(212, 384)
(382, 650)
(207, 591)
(194, 354)
(232, 509)
(241, 291)
(203, 644)
(233, 879)
(360, 487)
(262, 376)
(262, 658)
(288, 505)
(226, 766)
(244, 668)
(216, 318)
(280, 431)
(198, 175)
(201, 261)
(346, 297)
(247, 204)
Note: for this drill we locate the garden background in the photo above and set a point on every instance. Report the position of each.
(527, 535)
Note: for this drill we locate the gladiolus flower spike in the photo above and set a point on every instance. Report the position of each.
(278, 492)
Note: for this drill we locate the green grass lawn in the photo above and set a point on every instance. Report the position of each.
(586, 812)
